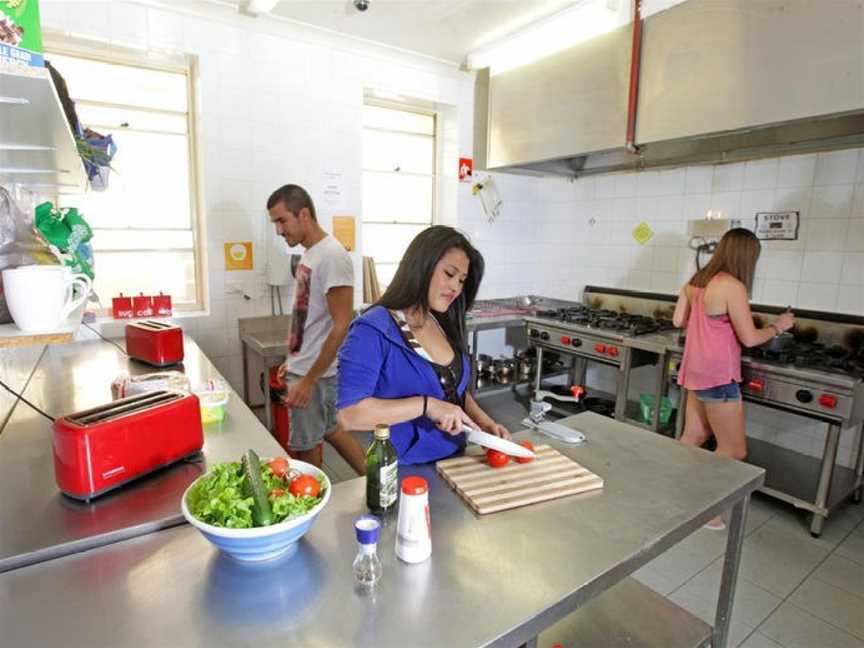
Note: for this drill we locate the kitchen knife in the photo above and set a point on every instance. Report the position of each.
(496, 443)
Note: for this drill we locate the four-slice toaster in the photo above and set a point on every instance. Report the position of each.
(99, 449)
(157, 343)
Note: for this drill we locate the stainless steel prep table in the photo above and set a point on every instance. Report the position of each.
(496, 580)
(271, 347)
(37, 522)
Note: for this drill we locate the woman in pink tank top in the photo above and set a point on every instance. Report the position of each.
(714, 308)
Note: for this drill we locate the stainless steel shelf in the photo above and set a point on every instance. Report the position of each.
(793, 477)
(629, 614)
(37, 148)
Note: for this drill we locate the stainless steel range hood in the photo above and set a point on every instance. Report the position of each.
(720, 81)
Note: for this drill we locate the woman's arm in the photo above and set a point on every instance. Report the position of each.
(738, 306)
(485, 422)
(369, 412)
(682, 309)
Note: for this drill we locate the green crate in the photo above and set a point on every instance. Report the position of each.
(646, 408)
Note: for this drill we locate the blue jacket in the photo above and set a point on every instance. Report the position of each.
(375, 361)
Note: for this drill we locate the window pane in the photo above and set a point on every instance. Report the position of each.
(122, 84)
(385, 272)
(387, 243)
(149, 189)
(110, 119)
(142, 239)
(391, 197)
(131, 273)
(386, 151)
(403, 120)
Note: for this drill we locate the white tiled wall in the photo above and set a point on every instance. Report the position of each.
(584, 235)
(278, 103)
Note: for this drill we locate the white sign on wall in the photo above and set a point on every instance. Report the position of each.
(777, 226)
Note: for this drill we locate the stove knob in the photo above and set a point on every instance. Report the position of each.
(600, 348)
(756, 385)
(565, 340)
(534, 333)
(804, 396)
(612, 351)
(827, 400)
(544, 336)
(577, 342)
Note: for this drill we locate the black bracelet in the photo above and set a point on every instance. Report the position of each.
(425, 404)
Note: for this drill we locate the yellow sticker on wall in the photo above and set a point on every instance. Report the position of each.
(238, 255)
(642, 233)
(343, 230)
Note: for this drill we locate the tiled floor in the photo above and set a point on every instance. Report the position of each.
(793, 591)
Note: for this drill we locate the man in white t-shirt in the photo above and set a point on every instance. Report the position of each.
(323, 308)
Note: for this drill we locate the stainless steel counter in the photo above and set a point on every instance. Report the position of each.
(37, 522)
(495, 580)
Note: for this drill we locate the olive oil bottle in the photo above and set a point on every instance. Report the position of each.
(381, 473)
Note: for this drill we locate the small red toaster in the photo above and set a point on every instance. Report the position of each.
(157, 343)
(102, 448)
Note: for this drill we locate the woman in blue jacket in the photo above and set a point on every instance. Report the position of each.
(405, 361)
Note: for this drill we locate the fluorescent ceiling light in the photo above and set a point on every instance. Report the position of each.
(564, 29)
(255, 7)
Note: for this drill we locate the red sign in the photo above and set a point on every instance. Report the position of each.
(466, 169)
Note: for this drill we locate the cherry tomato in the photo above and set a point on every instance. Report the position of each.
(497, 459)
(279, 467)
(276, 492)
(529, 446)
(305, 486)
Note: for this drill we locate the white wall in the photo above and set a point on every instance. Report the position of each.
(278, 103)
(583, 235)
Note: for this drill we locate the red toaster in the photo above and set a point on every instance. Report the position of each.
(105, 447)
(157, 343)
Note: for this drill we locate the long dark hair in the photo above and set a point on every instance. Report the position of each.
(410, 285)
(736, 254)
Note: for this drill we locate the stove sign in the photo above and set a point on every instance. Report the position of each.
(777, 226)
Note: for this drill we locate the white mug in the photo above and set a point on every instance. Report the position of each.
(41, 297)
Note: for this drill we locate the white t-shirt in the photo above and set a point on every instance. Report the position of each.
(324, 266)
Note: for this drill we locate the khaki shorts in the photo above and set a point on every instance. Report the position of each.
(309, 425)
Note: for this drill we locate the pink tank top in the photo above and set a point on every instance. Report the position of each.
(712, 353)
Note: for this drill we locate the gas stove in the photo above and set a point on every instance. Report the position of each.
(830, 358)
(603, 319)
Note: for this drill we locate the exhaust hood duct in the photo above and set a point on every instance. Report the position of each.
(721, 81)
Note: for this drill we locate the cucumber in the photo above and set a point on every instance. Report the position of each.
(253, 486)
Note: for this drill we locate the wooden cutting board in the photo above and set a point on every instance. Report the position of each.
(488, 490)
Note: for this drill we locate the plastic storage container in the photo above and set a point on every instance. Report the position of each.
(646, 408)
(214, 399)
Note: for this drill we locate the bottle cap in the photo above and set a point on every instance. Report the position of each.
(382, 431)
(368, 528)
(414, 485)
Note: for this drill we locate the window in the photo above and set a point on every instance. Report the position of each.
(398, 182)
(144, 225)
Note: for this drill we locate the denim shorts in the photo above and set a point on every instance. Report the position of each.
(720, 394)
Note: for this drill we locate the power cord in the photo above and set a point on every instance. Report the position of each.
(122, 350)
(25, 401)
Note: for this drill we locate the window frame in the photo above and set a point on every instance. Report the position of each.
(187, 65)
(377, 102)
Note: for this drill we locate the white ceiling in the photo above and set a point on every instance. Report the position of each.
(444, 29)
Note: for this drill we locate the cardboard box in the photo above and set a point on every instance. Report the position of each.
(20, 33)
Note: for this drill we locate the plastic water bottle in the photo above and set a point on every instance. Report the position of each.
(367, 566)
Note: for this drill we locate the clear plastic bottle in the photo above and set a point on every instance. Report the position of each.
(367, 566)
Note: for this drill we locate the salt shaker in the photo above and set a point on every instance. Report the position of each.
(367, 565)
(414, 528)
